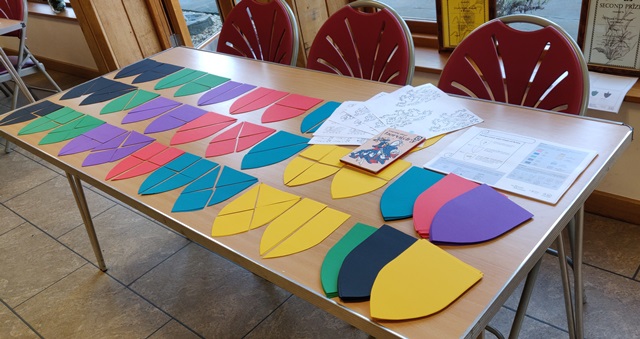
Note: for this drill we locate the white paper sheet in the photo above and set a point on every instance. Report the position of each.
(531, 167)
(607, 91)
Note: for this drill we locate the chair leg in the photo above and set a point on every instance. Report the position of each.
(7, 147)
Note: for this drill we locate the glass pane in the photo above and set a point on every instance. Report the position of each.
(565, 13)
(203, 20)
(414, 9)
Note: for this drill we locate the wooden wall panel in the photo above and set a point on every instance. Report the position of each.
(143, 27)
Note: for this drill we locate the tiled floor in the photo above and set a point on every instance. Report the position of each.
(161, 285)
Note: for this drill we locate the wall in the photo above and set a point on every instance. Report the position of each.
(55, 39)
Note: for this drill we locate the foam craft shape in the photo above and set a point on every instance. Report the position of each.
(314, 119)
(478, 215)
(179, 78)
(224, 92)
(289, 107)
(175, 118)
(335, 257)
(274, 149)
(238, 138)
(128, 101)
(98, 97)
(256, 99)
(421, 281)
(50, 121)
(398, 199)
(71, 130)
(202, 84)
(255, 208)
(156, 73)
(93, 138)
(147, 70)
(150, 109)
(205, 126)
(427, 143)
(103, 153)
(301, 227)
(98, 90)
(177, 173)
(143, 161)
(432, 199)
(349, 182)
(211, 189)
(314, 163)
(361, 266)
(30, 112)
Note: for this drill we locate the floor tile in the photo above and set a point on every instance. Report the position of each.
(52, 207)
(12, 327)
(531, 328)
(10, 220)
(18, 174)
(90, 304)
(173, 330)
(613, 301)
(611, 245)
(297, 318)
(31, 261)
(209, 294)
(131, 244)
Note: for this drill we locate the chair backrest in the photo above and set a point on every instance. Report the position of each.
(369, 45)
(14, 10)
(261, 30)
(542, 68)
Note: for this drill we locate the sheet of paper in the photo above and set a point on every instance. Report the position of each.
(607, 91)
(423, 110)
(531, 167)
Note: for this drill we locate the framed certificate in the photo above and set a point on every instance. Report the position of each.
(609, 36)
(457, 18)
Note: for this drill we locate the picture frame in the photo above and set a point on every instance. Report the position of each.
(609, 36)
(457, 18)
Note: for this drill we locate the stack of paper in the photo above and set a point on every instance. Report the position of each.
(424, 110)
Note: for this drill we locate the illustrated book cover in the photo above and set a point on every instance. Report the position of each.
(381, 150)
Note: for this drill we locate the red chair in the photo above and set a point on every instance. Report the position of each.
(261, 31)
(542, 68)
(374, 45)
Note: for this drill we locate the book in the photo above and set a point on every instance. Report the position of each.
(381, 150)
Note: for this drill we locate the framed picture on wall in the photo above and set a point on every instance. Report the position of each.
(457, 18)
(609, 36)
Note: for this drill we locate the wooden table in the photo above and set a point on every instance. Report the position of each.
(504, 261)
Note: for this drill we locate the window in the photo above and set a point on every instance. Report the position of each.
(203, 21)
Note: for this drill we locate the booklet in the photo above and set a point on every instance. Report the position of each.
(378, 152)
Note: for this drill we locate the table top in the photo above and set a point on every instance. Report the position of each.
(505, 261)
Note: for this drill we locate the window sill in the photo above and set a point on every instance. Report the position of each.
(42, 9)
(429, 60)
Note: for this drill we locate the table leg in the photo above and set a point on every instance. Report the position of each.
(566, 288)
(577, 272)
(524, 300)
(81, 201)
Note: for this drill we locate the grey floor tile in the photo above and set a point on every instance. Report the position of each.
(173, 330)
(52, 207)
(13, 327)
(613, 301)
(209, 294)
(90, 304)
(531, 328)
(31, 261)
(18, 174)
(297, 318)
(611, 245)
(131, 244)
(8, 220)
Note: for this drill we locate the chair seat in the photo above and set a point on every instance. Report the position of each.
(14, 61)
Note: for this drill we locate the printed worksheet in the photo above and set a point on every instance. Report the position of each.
(531, 167)
(608, 91)
(424, 110)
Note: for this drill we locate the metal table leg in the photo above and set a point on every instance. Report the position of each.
(81, 201)
(524, 300)
(577, 272)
